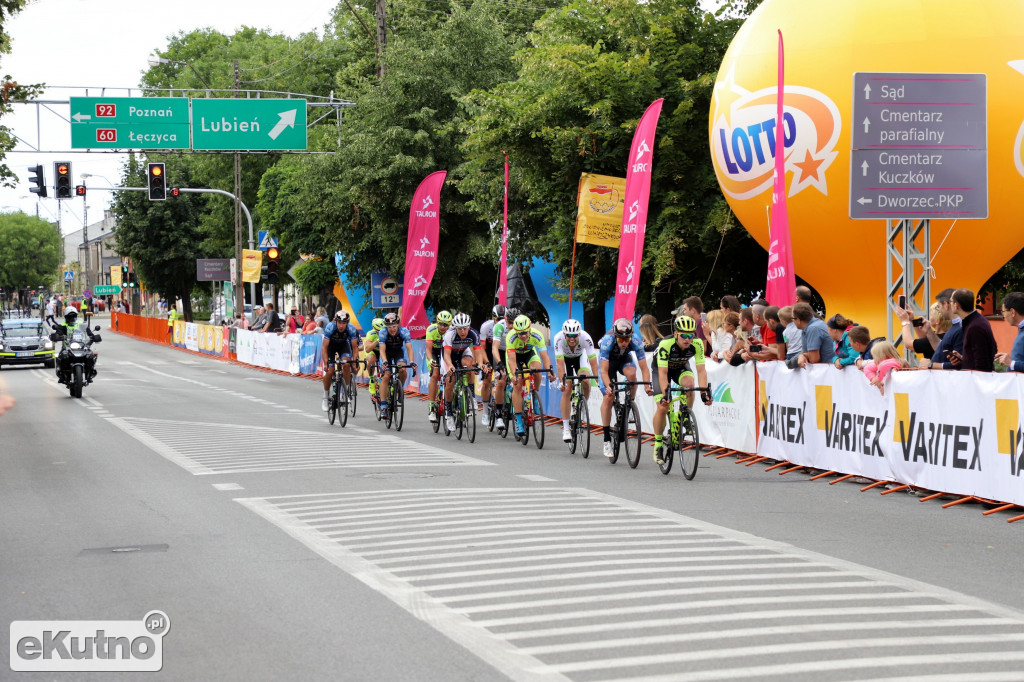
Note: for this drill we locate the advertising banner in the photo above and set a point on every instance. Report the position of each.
(310, 349)
(252, 264)
(503, 265)
(421, 251)
(634, 214)
(599, 203)
(781, 283)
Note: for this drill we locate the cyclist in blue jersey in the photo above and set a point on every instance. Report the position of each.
(340, 338)
(616, 357)
(461, 349)
(397, 345)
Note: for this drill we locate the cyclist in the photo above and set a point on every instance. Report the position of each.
(497, 350)
(340, 338)
(570, 345)
(397, 347)
(461, 348)
(370, 344)
(671, 360)
(522, 346)
(435, 346)
(486, 340)
(616, 358)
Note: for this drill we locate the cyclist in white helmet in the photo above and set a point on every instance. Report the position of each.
(571, 345)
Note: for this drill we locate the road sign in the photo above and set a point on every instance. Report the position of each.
(265, 240)
(385, 290)
(920, 147)
(69, 275)
(129, 123)
(87, 293)
(106, 290)
(213, 269)
(249, 124)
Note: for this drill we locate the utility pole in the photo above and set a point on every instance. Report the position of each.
(382, 39)
(239, 284)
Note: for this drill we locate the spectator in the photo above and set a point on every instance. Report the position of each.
(935, 327)
(321, 316)
(259, 318)
(274, 322)
(310, 326)
(713, 320)
(884, 359)
(774, 323)
(862, 343)
(838, 330)
(693, 308)
(791, 335)
(1013, 315)
(729, 304)
(751, 335)
(294, 321)
(953, 341)
(818, 345)
(979, 344)
(648, 327)
(240, 322)
(724, 338)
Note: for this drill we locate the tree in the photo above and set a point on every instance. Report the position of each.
(10, 91)
(583, 84)
(161, 237)
(29, 251)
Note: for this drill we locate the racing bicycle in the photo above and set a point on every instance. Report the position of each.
(396, 395)
(627, 423)
(579, 416)
(533, 409)
(683, 435)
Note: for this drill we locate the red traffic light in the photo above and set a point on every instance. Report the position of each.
(79, 190)
(63, 169)
(174, 192)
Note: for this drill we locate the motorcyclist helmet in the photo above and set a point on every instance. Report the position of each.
(70, 314)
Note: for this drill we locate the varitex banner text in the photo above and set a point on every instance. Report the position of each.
(89, 645)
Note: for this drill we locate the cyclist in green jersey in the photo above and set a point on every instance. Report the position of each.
(370, 354)
(671, 362)
(435, 339)
(522, 346)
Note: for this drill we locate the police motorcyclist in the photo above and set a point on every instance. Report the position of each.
(66, 331)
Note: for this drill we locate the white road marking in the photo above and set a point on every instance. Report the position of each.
(227, 486)
(536, 477)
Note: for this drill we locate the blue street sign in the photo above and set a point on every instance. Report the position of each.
(385, 290)
(265, 240)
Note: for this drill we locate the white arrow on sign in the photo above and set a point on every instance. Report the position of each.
(81, 117)
(864, 167)
(867, 91)
(287, 121)
(863, 201)
(867, 123)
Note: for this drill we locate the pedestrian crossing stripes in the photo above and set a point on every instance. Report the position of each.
(571, 584)
(207, 448)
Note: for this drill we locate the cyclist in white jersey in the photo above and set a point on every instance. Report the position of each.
(571, 345)
(486, 338)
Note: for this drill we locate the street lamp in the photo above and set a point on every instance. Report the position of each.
(156, 61)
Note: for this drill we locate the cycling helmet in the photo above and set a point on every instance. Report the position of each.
(391, 319)
(521, 324)
(341, 316)
(498, 311)
(378, 324)
(444, 317)
(571, 327)
(622, 328)
(511, 314)
(70, 314)
(461, 321)
(685, 324)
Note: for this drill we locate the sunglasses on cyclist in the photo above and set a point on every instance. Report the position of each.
(571, 336)
(685, 336)
(522, 333)
(443, 325)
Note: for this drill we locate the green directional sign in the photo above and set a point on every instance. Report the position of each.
(129, 123)
(249, 124)
(106, 290)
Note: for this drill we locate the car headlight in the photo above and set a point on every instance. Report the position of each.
(48, 345)
(1, 346)
(75, 345)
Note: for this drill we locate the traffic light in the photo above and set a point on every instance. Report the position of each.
(133, 281)
(62, 179)
(157, 182)
(174, 193)
(36, 178)
(79, 190)
(273, 265)
(124, 276)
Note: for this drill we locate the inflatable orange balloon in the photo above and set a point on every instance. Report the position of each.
(826, 43)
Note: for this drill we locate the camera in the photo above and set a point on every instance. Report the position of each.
(755, 348)
(918, 322)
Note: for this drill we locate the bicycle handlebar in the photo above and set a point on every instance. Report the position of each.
(631, 383)
(680, 389)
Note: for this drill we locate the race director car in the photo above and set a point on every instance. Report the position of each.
(25, 342)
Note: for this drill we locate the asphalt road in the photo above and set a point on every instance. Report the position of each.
(281, 547)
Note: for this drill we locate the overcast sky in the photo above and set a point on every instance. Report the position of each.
(96, 44)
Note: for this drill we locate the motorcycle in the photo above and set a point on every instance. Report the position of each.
(76, 362)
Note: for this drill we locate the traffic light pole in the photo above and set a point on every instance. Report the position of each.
(85, 241)
(208, 190)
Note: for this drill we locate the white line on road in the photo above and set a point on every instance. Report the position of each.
(227, 486)
(536, 477)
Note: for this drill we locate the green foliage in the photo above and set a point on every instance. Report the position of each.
(584, 83)
(10, 91)
(316, 275)
(29, 251)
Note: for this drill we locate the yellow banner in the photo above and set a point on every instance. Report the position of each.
(600, 202)
(115, 275)
(252, 263)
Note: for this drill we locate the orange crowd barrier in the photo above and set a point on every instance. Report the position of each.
(146, 328)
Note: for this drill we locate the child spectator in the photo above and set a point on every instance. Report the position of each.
(884, 359)
(724, 338)
(790, 335)
(648, 327)
(838, 329)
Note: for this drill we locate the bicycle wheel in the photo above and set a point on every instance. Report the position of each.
(538, 421)
(470, 401)
(616, 434)
(352, 393)
(633, 435)
(399, 406)
(582, 436)
(689, 447)
(574, 401)
(391, 407)
(343, 403)
(507, 418)
(436, 424)
(667, 449)
(492, 412)
(458, 404)
(332, 404)
(375, 401)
